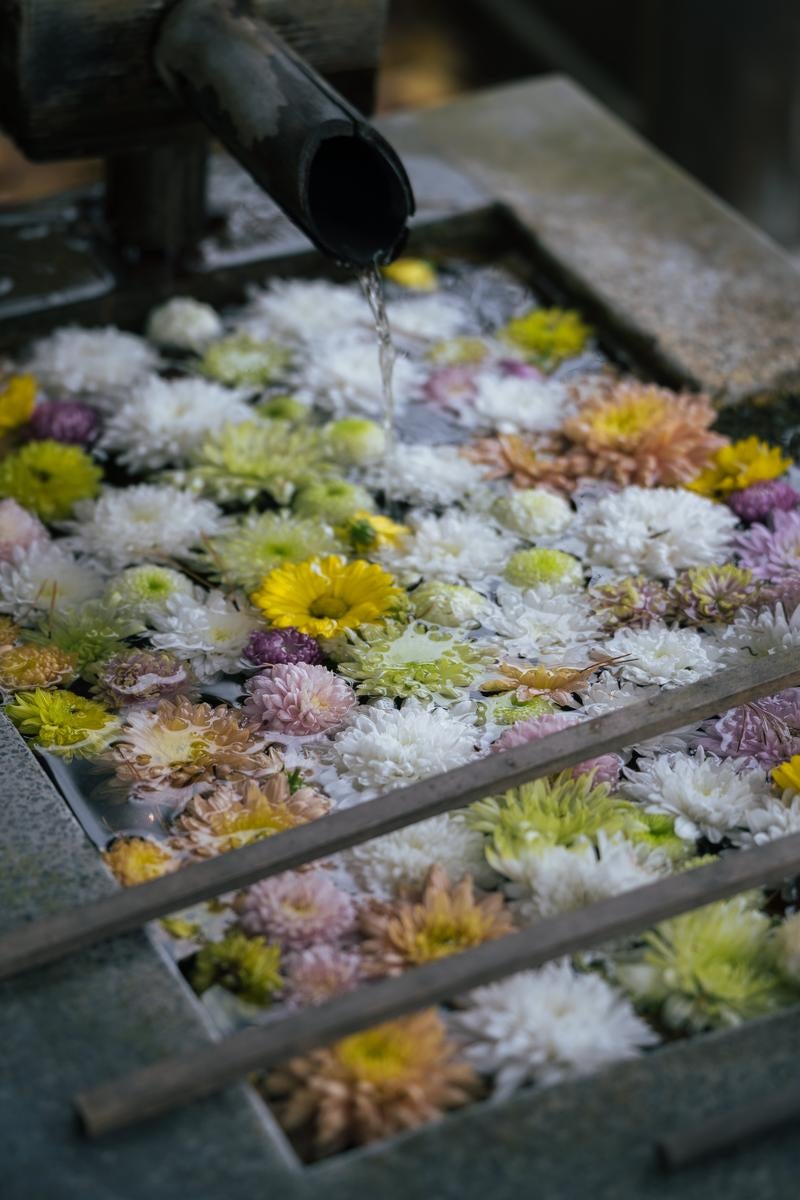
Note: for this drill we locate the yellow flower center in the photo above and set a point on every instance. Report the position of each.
(376, 1056)
(629, 419)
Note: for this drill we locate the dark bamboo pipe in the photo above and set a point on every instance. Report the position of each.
(327, 168)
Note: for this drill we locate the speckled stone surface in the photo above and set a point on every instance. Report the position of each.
(718, 305)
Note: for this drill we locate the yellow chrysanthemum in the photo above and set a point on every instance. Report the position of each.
(17, 399)
(787, 775)
(368, 531)
(737, 466)
(548, 336)
(33, 666)
(134, 860)
(49, 478)
(414, 273)
(327, 596)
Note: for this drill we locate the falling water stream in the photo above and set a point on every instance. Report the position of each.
(372, 287)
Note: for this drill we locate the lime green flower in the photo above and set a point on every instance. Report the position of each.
(266, 540)
(411, 661)
(62, 722)
(143, 591)
(88, 632)
(242, 360)
(532, 512)
(244, 461)
(283, 408)
(556, 568)
(658, 834)
(355, 441)
(451, 604)
(245, 965)
(508, 710)
(458, 352)
(49, 478)
(334, 499)
(548, 336)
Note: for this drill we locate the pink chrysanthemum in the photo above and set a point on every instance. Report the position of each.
(319, 973)
(451, 386)
(772, 552)
(764, 733)
(297, 909)
(606, 767)
(19, 529)
(760, 500)
(67, 421)
(302, 699)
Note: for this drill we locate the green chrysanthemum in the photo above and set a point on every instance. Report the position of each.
(245, 965)
(283, 408)
(716, 593)
(508, 710)
(355, 441)
(89, 633)
(658, 834)
(450, 604)
(708, 968)
(531, 568)
(49, 478)
(241, 360)
(142, 591)
(548, 336)
(411, 661)
(63, 722)
(266, 540)
(244, 461)
(334, 499)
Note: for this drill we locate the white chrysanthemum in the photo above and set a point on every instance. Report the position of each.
(547, 1025)
(655, 531)
(101, 363)
(428, 318)
(385, 747)
(427, 475)
(707, 796)
(184, 324)
(607, 693)
(145, 590)
(45, 577)
(211, 633)
(533, 512)
(766, 632)
(147, 521)
(534, 624)
(457, 547)
(165, 420)
(342, 374)
(668, 657)
(304, 309)
(555, 879)
(775, 817)
(513, 405)
(403, 858)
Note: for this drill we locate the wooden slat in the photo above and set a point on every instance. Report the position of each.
(51, 938)
(176, 1081)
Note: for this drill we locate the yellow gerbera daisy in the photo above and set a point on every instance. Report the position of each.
(17, 399)
(326, 596)
(739, 465)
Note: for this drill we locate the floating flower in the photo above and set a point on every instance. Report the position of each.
(507, 710)
(772, 552)
(429, 476)
(440, 920)
(714, 594)
(554, 569)
(49, 478)
(300, 699)
(456, 548)
(737, 466)
(319, 973)
(88, 633)
(99, 362)
(32, 666)
(787, 774)
(365, 532)
(372, 1085)
(415, 273)
(412, 661)
(531, 462)
(327, 596)
(548, 336)
(403, 859)
(43, 579)
(210, 633)
(141, 592)
(244, 965)
(450, 604)
(603, 769)
(342, 374)
(707, 968)
(166, 421)
(243, 555)
(633, 601)
(333, 500)
(668, 657)
(760, 500)
(764, 732)
(384, 747)
(236, 814)
(548, 1025)
(655, 531)
(17, 398)
(19, 530)
(283, 408)
(62, 722)
(183, 324)
(766, 632)
(142, 676)
(428, 318)
(65, 421)
(458, 351)
(246, 460)
(775, 817)
(242, 360)
(355, 441)
(453, 387)
(532, 512)
(531, 623)
(268, 647)
(297, 909)
(511, 404)
(134, 860)
(304, 309)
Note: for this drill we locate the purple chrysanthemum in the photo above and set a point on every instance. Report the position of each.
(760, 500)
(319, 973)
(606, 767)
(19, 529)
(520, 370)
(299, 699)
(764, 733)
(142, 677)
(297, 909)
(772, 551)
(451, 386)
(65, 421)
(634, 602)
(268, 647)
(784, 591)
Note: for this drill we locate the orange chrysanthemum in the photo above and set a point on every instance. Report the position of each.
(234, 815)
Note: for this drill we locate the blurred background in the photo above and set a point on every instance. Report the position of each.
(714, 83)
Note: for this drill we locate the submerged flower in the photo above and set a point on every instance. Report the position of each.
(537, 566)
(243, 555)
(126, 525)
(17, 398)
(318, 973)
(535, 623)
(326, 596)
(88, 632)
(439, 920)
(342, 374)
(766, 632)
(760, 500)
(764, 732)
(707, 968)
(183, 324)
(297, 909)
(603, 769)
(244, 360)
(547, 1025)
(737, 466)
(301, 699)
(415, 273)
(412, 661)
(548, 336)
(101, 362)
(453, 605)
(19, 530)
(372, 1084)
(704, 595)
(772, 551)
(532, 512)
(134, 860)
(633, 601)
(141, 676)
(45, 579)
(428, 476)
(244, 965)
(49, 478)
(456, 547)
(332, 500)
(210, 632)
(355, 441)
(65, 421)
(668, 657)
(141, 592)
(403, 859)
(62, 722)
(32, 666)
(234, 815)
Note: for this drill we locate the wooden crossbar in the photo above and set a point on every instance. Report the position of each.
(51, 938)
(172, 1082)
